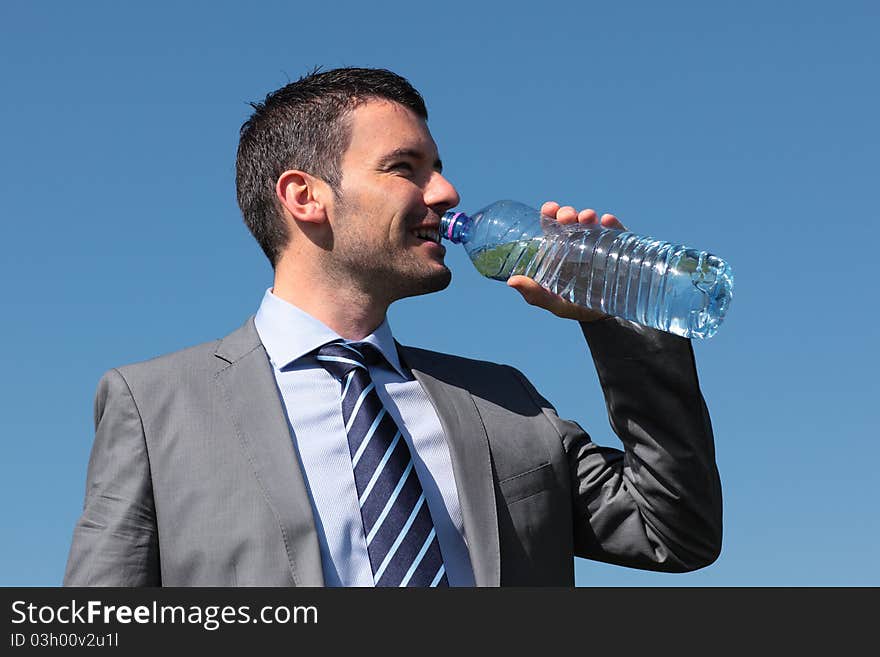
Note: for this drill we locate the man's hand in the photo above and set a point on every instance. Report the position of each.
(544, 298)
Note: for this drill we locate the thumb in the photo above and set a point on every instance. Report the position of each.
(537, 295)
(533, 293)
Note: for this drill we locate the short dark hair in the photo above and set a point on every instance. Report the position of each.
(303, 126)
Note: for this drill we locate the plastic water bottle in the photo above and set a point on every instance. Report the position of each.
(665, 286)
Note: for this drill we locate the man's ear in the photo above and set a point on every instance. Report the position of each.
(303, 196)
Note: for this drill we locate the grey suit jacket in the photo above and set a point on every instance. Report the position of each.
(194, 481)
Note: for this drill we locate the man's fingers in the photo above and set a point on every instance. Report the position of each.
(587, 216)
(568, 215)
(610, 221)
(533, 293)
(564, 215)
(550, 208)
(541, 297)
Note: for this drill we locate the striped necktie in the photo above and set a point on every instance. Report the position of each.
(401, 539)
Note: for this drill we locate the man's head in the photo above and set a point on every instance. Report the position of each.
(343, 160)
(305, 125)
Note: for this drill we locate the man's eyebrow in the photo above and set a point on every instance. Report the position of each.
(398, 153)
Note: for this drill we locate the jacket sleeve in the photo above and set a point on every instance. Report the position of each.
(656, 505)
(115, 541)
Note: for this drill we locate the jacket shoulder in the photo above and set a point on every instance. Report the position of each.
(428, 360)
(188, 358)
(499, 383)
(483, 378)
(195, 363)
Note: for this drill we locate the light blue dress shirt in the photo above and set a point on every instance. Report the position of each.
(311, 399)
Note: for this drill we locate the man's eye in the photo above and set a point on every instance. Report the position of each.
(403, 166)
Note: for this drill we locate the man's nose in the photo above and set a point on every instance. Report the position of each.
(441, 194)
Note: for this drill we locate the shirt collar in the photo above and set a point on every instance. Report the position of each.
(289, 333)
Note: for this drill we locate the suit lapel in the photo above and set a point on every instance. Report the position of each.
(471, 465)
(249, 391)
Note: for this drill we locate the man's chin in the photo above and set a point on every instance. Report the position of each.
(434, 281)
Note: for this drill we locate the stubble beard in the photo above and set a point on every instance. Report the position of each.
(384, 274)
(389, 275)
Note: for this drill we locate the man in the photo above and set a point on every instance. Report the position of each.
(309, 448)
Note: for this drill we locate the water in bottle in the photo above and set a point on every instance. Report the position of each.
(666, 286)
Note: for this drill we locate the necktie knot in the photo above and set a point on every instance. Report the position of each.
(340, 358)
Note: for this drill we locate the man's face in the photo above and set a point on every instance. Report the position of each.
(391, 198)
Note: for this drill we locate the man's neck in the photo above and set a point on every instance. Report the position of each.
(349, 312)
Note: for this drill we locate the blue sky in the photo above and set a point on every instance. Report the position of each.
(749, 129)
